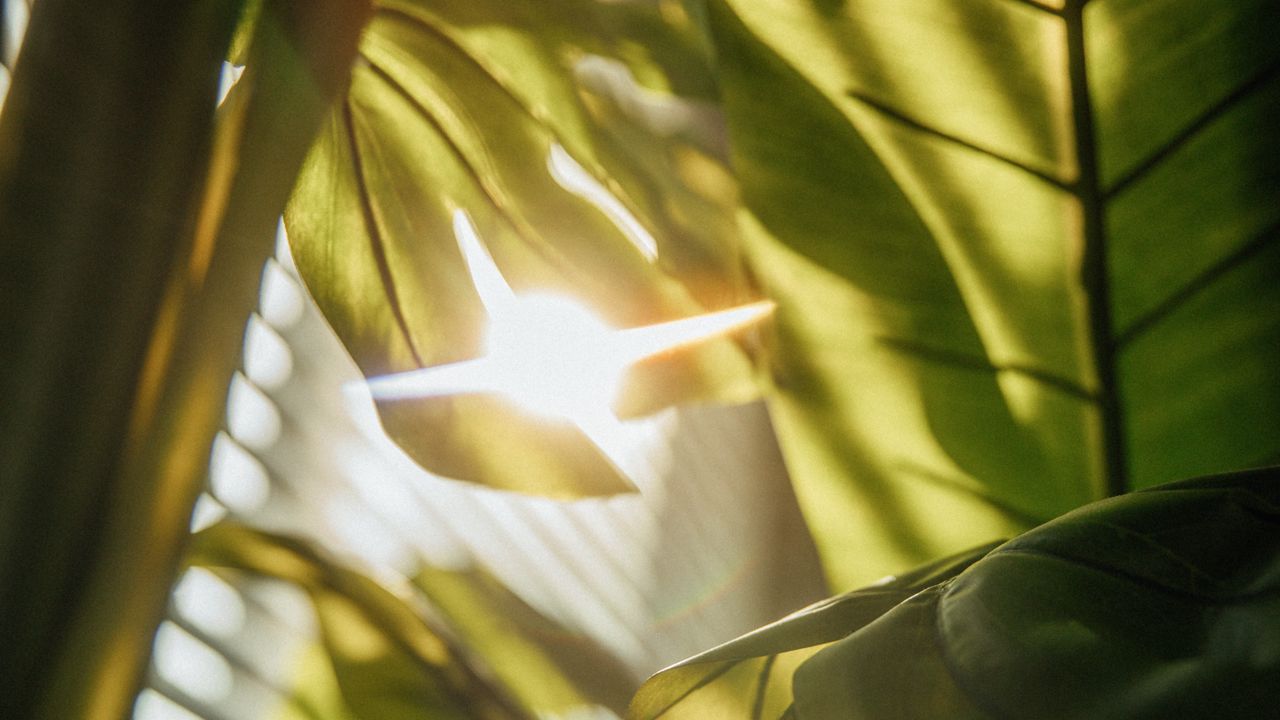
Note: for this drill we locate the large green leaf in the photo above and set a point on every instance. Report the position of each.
(1023, 253)
(1159, 603)
(460, 106)
(134, 231)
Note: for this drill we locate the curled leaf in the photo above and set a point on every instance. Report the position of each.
(1160, 603)
(751, 676)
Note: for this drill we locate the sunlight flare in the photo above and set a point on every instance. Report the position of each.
(550, 355)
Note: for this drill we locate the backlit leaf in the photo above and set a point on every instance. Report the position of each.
(1024, 254)
(552, 671)
(751, 676)
(389, 661)
(464, 106)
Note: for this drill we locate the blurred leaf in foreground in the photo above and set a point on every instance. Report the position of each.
(552, 671)
(135, 228)
(751, 676)
(1159, 603)
(388, 660)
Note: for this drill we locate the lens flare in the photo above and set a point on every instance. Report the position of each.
(551, 355)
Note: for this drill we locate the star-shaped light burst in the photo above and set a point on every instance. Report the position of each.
(550, 355)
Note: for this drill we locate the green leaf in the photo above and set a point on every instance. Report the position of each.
(388, 659)
(242, 36)
(104, 143)
(459, 106)
(1160, 603)
(551, 670)
(135, 228)
(314, 693)
(1024, 254)
(751, 676)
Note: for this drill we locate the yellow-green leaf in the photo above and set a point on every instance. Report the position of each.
(552, 671)
(388, 659)
(465, 106)
(751, 676)
(1024, 254)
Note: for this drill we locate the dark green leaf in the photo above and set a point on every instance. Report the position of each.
(134, 233)
(104, 144)
(1023, 253)
(1161, 603)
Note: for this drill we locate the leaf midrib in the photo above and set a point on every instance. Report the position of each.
(1088, 189)
(377, 245)
(1094, 195)
(1094, 274)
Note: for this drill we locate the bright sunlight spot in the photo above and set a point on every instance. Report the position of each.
(551, 355)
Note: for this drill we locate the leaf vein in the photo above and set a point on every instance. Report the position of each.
(377, 244)
(971, 488)
(702, 682)
(908, 121)
(1094, 274)
(1192, 129)
(425, 25)
(1198, 284)
(762, 687)
(954, 358)
(1198, 598)
(488, 190)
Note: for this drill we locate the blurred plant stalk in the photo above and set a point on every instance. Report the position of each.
(135, 225)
